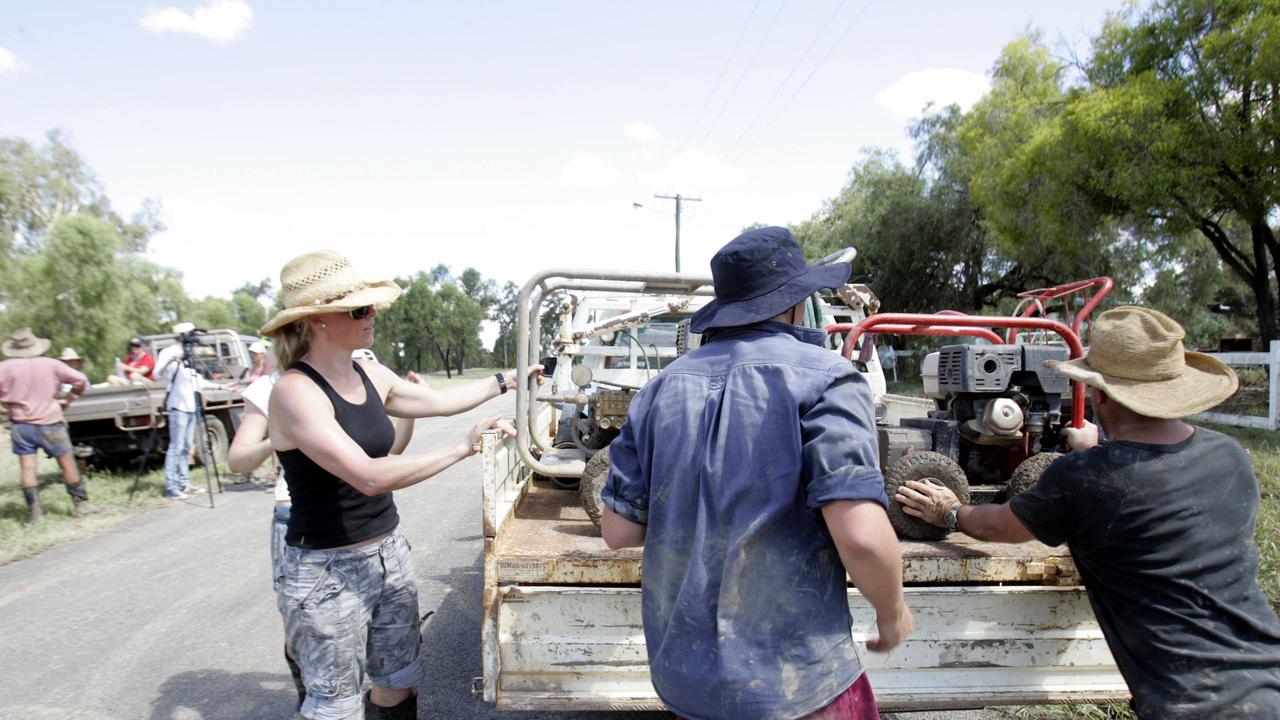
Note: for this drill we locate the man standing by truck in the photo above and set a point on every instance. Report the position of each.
(29, 389)
(747, 469)
(1160, 521)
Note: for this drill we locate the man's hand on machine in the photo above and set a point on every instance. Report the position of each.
(928, 501)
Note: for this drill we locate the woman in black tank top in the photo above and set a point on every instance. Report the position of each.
(348, 581)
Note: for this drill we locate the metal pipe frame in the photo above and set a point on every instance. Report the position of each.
(983, 333)
(975, 321)
(1102, 282)
(530, 330)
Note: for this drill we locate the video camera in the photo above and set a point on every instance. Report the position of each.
(189, 340)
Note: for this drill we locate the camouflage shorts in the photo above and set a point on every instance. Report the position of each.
(347, 610)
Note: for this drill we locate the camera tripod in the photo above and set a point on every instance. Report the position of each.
(186, 364)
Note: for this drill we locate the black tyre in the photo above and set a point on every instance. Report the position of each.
(218, 440)
(1028, 472)
(592, 483)
(922, 467)
(564, 483)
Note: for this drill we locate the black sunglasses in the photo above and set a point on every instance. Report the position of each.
(361, 313)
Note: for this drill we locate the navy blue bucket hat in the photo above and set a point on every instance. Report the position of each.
(760, 274)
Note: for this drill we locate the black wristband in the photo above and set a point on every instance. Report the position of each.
(502, 383)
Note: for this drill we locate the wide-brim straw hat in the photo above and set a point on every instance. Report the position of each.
(24, 344)
(324, 282)
(69, 354)
(1137, 358)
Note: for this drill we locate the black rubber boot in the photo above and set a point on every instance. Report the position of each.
(32, 496)
(80, 505)
(296, 672)
(407, 710)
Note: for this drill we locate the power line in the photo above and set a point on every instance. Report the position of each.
(745, 70)
(808, 77)
(787, 79)
(720, 77)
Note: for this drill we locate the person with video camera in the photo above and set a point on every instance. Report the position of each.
(348, 590)
(175, 367)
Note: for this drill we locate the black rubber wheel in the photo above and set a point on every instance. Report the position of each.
(217, 440)
(563, 483)
(592, 483)
(922, 466)
(1028, 473)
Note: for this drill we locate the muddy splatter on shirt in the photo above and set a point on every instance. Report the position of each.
(727, 457)
(1163, 537)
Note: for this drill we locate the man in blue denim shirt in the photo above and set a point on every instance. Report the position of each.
(747, 469)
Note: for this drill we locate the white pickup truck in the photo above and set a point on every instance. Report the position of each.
(112, 424)
(996, 624)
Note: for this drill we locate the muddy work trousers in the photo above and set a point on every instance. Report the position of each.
(346, 612)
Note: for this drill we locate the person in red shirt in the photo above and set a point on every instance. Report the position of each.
(138, 366)
(29, 390)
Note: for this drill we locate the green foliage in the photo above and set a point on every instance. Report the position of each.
(1178, 128)
(41, 185)
(249, 313)
(1193, 281)
(68, 261)
(923, 242)
(436, 322)
(503, 312)
(402, 341)
(212, 312)
(457, 326)
(72, 291)
(1023, 177)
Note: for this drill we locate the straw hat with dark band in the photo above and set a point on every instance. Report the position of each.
(1136, 357)
(24, 344)
(324, 282)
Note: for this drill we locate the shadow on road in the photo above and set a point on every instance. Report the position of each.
(209, 694)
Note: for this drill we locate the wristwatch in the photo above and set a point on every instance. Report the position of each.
(952, 518)
(502, 383)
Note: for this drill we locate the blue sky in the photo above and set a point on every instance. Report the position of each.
(500, 135)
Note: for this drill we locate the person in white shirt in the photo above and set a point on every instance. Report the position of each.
(184, 382)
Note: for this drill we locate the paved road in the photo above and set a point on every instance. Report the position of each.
(170, 615)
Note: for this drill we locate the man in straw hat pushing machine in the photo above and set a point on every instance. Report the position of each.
(30, 386)
(1159, 520)
(347, 586)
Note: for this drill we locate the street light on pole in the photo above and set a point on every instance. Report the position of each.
(680, 201)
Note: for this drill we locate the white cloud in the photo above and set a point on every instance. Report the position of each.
(694, 171)
(221, 21)
(588, 172)
(940, 86)
(10, 64)
(641, 131)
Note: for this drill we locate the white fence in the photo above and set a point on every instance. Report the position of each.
(1270, 361)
